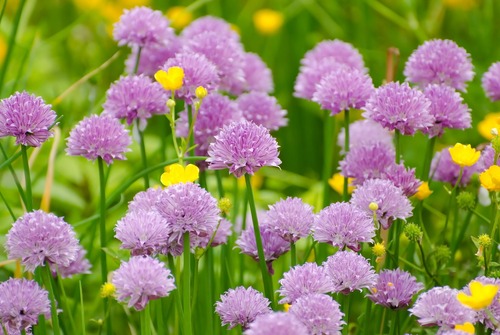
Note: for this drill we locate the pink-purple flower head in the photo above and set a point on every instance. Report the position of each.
(198, 71)
(277, 323)
(291, 218)
(320, 313)
(210, 23)
(145, 200)
(340, 51)
(140, 280)
(240, 306)
(27, 118)
(443, 169)
(99, 136)
(302, 280)
(439, 62)
(135, 98)
(152, 57)
(142, 26)
(21, 302)
(343, 225)
(310, 76)
(80, 265)
(394, 289)
(258, 76)
(365, 133)
(404, 178)
(349, 271)
(188, 208)
(392, 203)
(243, 147)
(223, 232)
(39, 238)
(262, 109)
(491, 82)
(343, 89)
(448, 110)
(399, 107)
(440, 307)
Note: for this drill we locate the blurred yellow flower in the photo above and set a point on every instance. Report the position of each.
(337, 183)
(481, 295)
(179, 17)
(490, 121)
(466, 327)
(464, 155)
(268, 21)
(460, 4)
(3, 47)
(171, 79)
(423, 191)
(490, 179)
(133, 3)
(201, 92)
(107, 290)
(286, 307)
(176, 173)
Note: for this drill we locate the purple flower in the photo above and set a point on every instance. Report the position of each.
(365, 133)
(399, 107)
(343, 225)
(392, 203)
(394, 289)
(447, 109)
(27, 118)
(349, 271)
(142, 26)
(491, 82)
(403, 178)
(21, 302)
(240, 306)
(440, 307)
(258, 76)
(486, 159)
(145, 200)
(262, 109)
(292, 219)
(320, 313)
(99, 136)
(198, 71)
(445, 170)
(243, 147)
(210, 23)
(188, 208)
(153, 56)
(494, 308)
(140, 280)
(340, 51)
(439, 62)
(38, 238)
(310, 76)
(223, 232)
(343, 89)
(80, 265)
(278, 323)
(143, 232)
(135, 97)
(302, 280)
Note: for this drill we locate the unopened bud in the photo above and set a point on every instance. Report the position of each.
(170, 103)
(373, 206)
(413, 232)
(494, 131)
(201, 92)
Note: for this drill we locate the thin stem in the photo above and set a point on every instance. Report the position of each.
(41, 329)
(397, 144)
(137, 60)
(82, 313)
(368, 313)
(144, 158)
(186, 286)
(10, 159)
(145, 321)
(27, 177)
(174, 136)
(346, 307)
(177, 297)
(495, 226)
(396, 234)
(395, 323)
(328, 155)
(345, 194)
(424, 263)
(293, 254)
(452, 197)
(46, 273)
(428, 158)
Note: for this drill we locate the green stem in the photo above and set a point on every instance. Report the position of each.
(82, 313)
(268, 285)
(428, 159)
(397, 144)
(12, 215)
(41, 326)
(368, 313)
(177, 295)
(450, 201)
(145, 321)
(346, 307)
(395, 323)
(461, 234)
(178, 152)
(345, 194)
(47, 278)
(186, 286)
(495, 226)
(424, 263)
(137, 59)
(395, 237)
(27, 177)
(328, 155)
(144, 158)
(10, 159)
(293, 254)
(220, 188)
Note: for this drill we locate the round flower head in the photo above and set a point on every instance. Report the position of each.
(142, 26)
(447, 109)
(391, 202)
(404, 178)
(27, 118)
(365, 133)
(243, 147)
(343, 89)
(445, 170)
(291, 219)
(40, 238)
(340, 51)
(80, 265)
(488, 127)
(399, 107)
(262, 109)
(140, 280)
(145, 200)
(258, 76)
(349, 271)
(491, 82)
(198, 71)
(152, 56)
(99, 136)
(21, 302)
(439, 62)
(394, 289)
(188, 208)
(135, 97)
(302, 280)
(143, 232)
(310, 76)
(278, 323)
(439, 307)
(210, 23)
(343, 225)
(240, 306)
(320, 313)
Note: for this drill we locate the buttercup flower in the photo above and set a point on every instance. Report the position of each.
(277, 323)
(481, 295)
(490, 179)
(176, 173)
(262, 109)
(171, 79)
(140, 280)
(27, 118)
(423, 191)
(337, 183)
(394, 289)
(493, 309)
(485, 127)
(491, 82)
(268, 21)
(444, 169)
(467, 327)
(320, 313)
(464, 155)
(240, 306)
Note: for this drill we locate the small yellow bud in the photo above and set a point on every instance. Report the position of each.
(373, 206)
(390, 284)
(286, 307)
(107, 290)
(378, 249)
(170, 103)
(201, 92)
(172, 79)
(484, 240)
(225, 205)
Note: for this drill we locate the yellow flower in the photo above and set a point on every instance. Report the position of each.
(464, 155)
(107, 290)
(286, 307)
(378, 249)
(466, 327)
(268, 21)
(460, 4)
(481, 295)
(490, 179)
(490, 121)
(176, 173)
(337, 183)
(423, 191)
(179, 17)
(201, 92)
(225, 205)
(171, 79)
